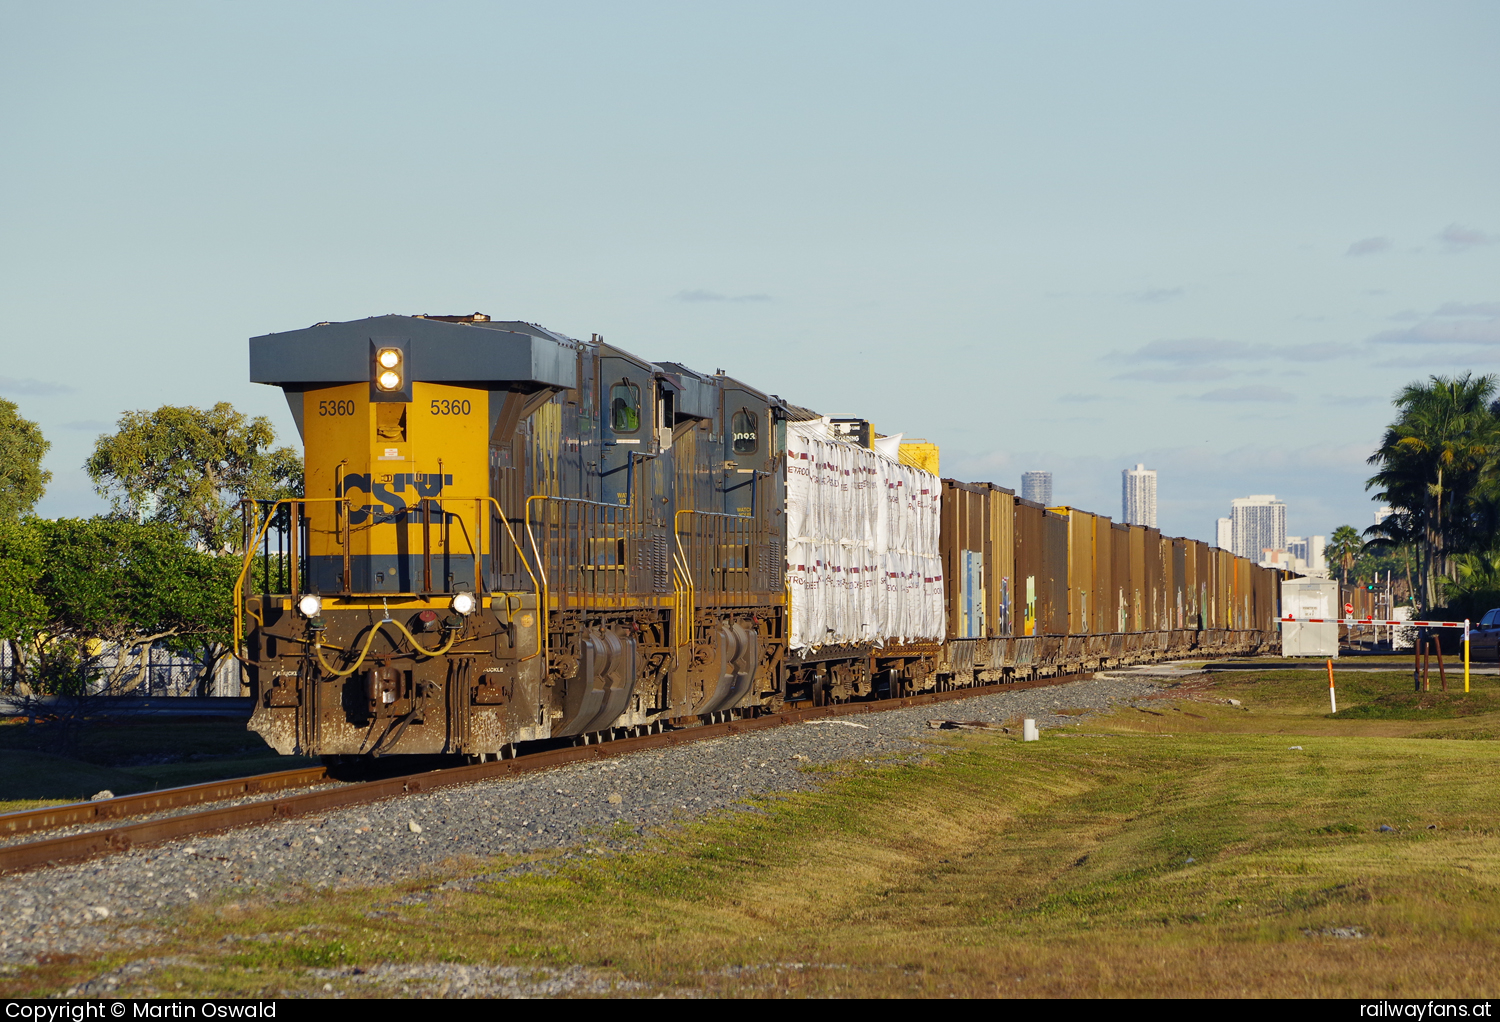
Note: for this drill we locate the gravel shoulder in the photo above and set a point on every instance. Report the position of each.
(115, 902)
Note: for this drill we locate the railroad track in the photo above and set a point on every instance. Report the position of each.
(111, 840)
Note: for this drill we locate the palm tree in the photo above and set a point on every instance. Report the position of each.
(1435, 460)
(1344, 548)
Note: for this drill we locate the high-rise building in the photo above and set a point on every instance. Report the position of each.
(1138, 496)
(1307, 554)
(1224, 538)
(1259, 524)
(1037, 486)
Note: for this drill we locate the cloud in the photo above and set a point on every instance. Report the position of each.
(1080, 398)
(1369, 246)
(1468, 309)
(1452, 323)
(700, 295)
(1444, 332)
(1456, 238)
(31, 388)
(1153, 295)
(1188, 350)
(1324, 352)
(1202, 351)
(1440, 357)
(1182, 374)
(1254, 392)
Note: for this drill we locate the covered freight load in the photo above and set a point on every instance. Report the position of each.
(863, 565)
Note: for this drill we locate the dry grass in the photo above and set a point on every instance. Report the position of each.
(1139, 856)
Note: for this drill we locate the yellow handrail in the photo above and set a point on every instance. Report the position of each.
(684, 565)
(684, 571)
(259, 534)
(239, 583)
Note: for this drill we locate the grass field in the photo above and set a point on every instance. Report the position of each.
(1200, 849)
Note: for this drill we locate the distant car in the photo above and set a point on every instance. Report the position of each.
(1484, 638)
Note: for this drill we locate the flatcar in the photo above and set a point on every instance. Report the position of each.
(508, 535)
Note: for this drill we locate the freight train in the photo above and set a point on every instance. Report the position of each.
(508, 535)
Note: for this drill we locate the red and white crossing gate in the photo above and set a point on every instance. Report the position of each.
(1377, 621)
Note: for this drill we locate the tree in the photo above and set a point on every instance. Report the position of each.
(22, 610)
(1344, 548)
(1436, 461)
(189, 468)
(22, 478)
(104, 591)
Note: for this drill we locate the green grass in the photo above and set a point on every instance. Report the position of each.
(1136, 855)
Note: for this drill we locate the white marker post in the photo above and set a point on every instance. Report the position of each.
(1333, 702)
(1028, 730)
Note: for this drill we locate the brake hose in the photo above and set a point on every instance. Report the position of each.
(318, 648)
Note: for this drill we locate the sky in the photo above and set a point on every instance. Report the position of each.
(1215, 239)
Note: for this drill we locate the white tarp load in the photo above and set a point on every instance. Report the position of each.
(862, 544)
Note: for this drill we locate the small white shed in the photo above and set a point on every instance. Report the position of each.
(1310, 597)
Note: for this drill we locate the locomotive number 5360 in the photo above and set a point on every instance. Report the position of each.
(450, 407)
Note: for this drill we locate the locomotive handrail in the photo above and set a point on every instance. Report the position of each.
(683, 570)
(260, 531)
(544, 600)
(250, 547)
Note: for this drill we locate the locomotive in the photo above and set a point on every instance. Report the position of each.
(508, 535)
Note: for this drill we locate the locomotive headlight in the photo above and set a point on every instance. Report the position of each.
(310, 605)
(389, 380)
(389, 358)
(464, 603)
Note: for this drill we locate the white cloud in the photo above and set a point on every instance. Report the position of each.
(1369, 246)
(1154, 295)
(1456, 238)
(1179, 374)
(32, 388)
(1252, 392)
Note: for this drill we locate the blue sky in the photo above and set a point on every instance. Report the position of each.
(1212, 238)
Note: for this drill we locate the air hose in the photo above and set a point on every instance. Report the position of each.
(318, 648)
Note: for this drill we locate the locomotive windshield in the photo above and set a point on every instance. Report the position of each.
(745, 426)
(625, 407)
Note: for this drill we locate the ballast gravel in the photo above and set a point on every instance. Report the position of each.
(114, 902)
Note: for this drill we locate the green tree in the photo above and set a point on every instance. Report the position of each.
(190, 468)
(23, 612)
(1475, 587)
(1344, 548)
(1435, 462)
(113, 588)
(22, 478)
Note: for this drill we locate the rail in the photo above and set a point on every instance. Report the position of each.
(110, 840)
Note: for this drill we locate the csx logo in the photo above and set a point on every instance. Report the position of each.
(393, 506)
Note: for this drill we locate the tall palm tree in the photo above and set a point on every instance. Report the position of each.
(1434, 461)
(1344, 548)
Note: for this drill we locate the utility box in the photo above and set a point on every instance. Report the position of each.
(1310, 597)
